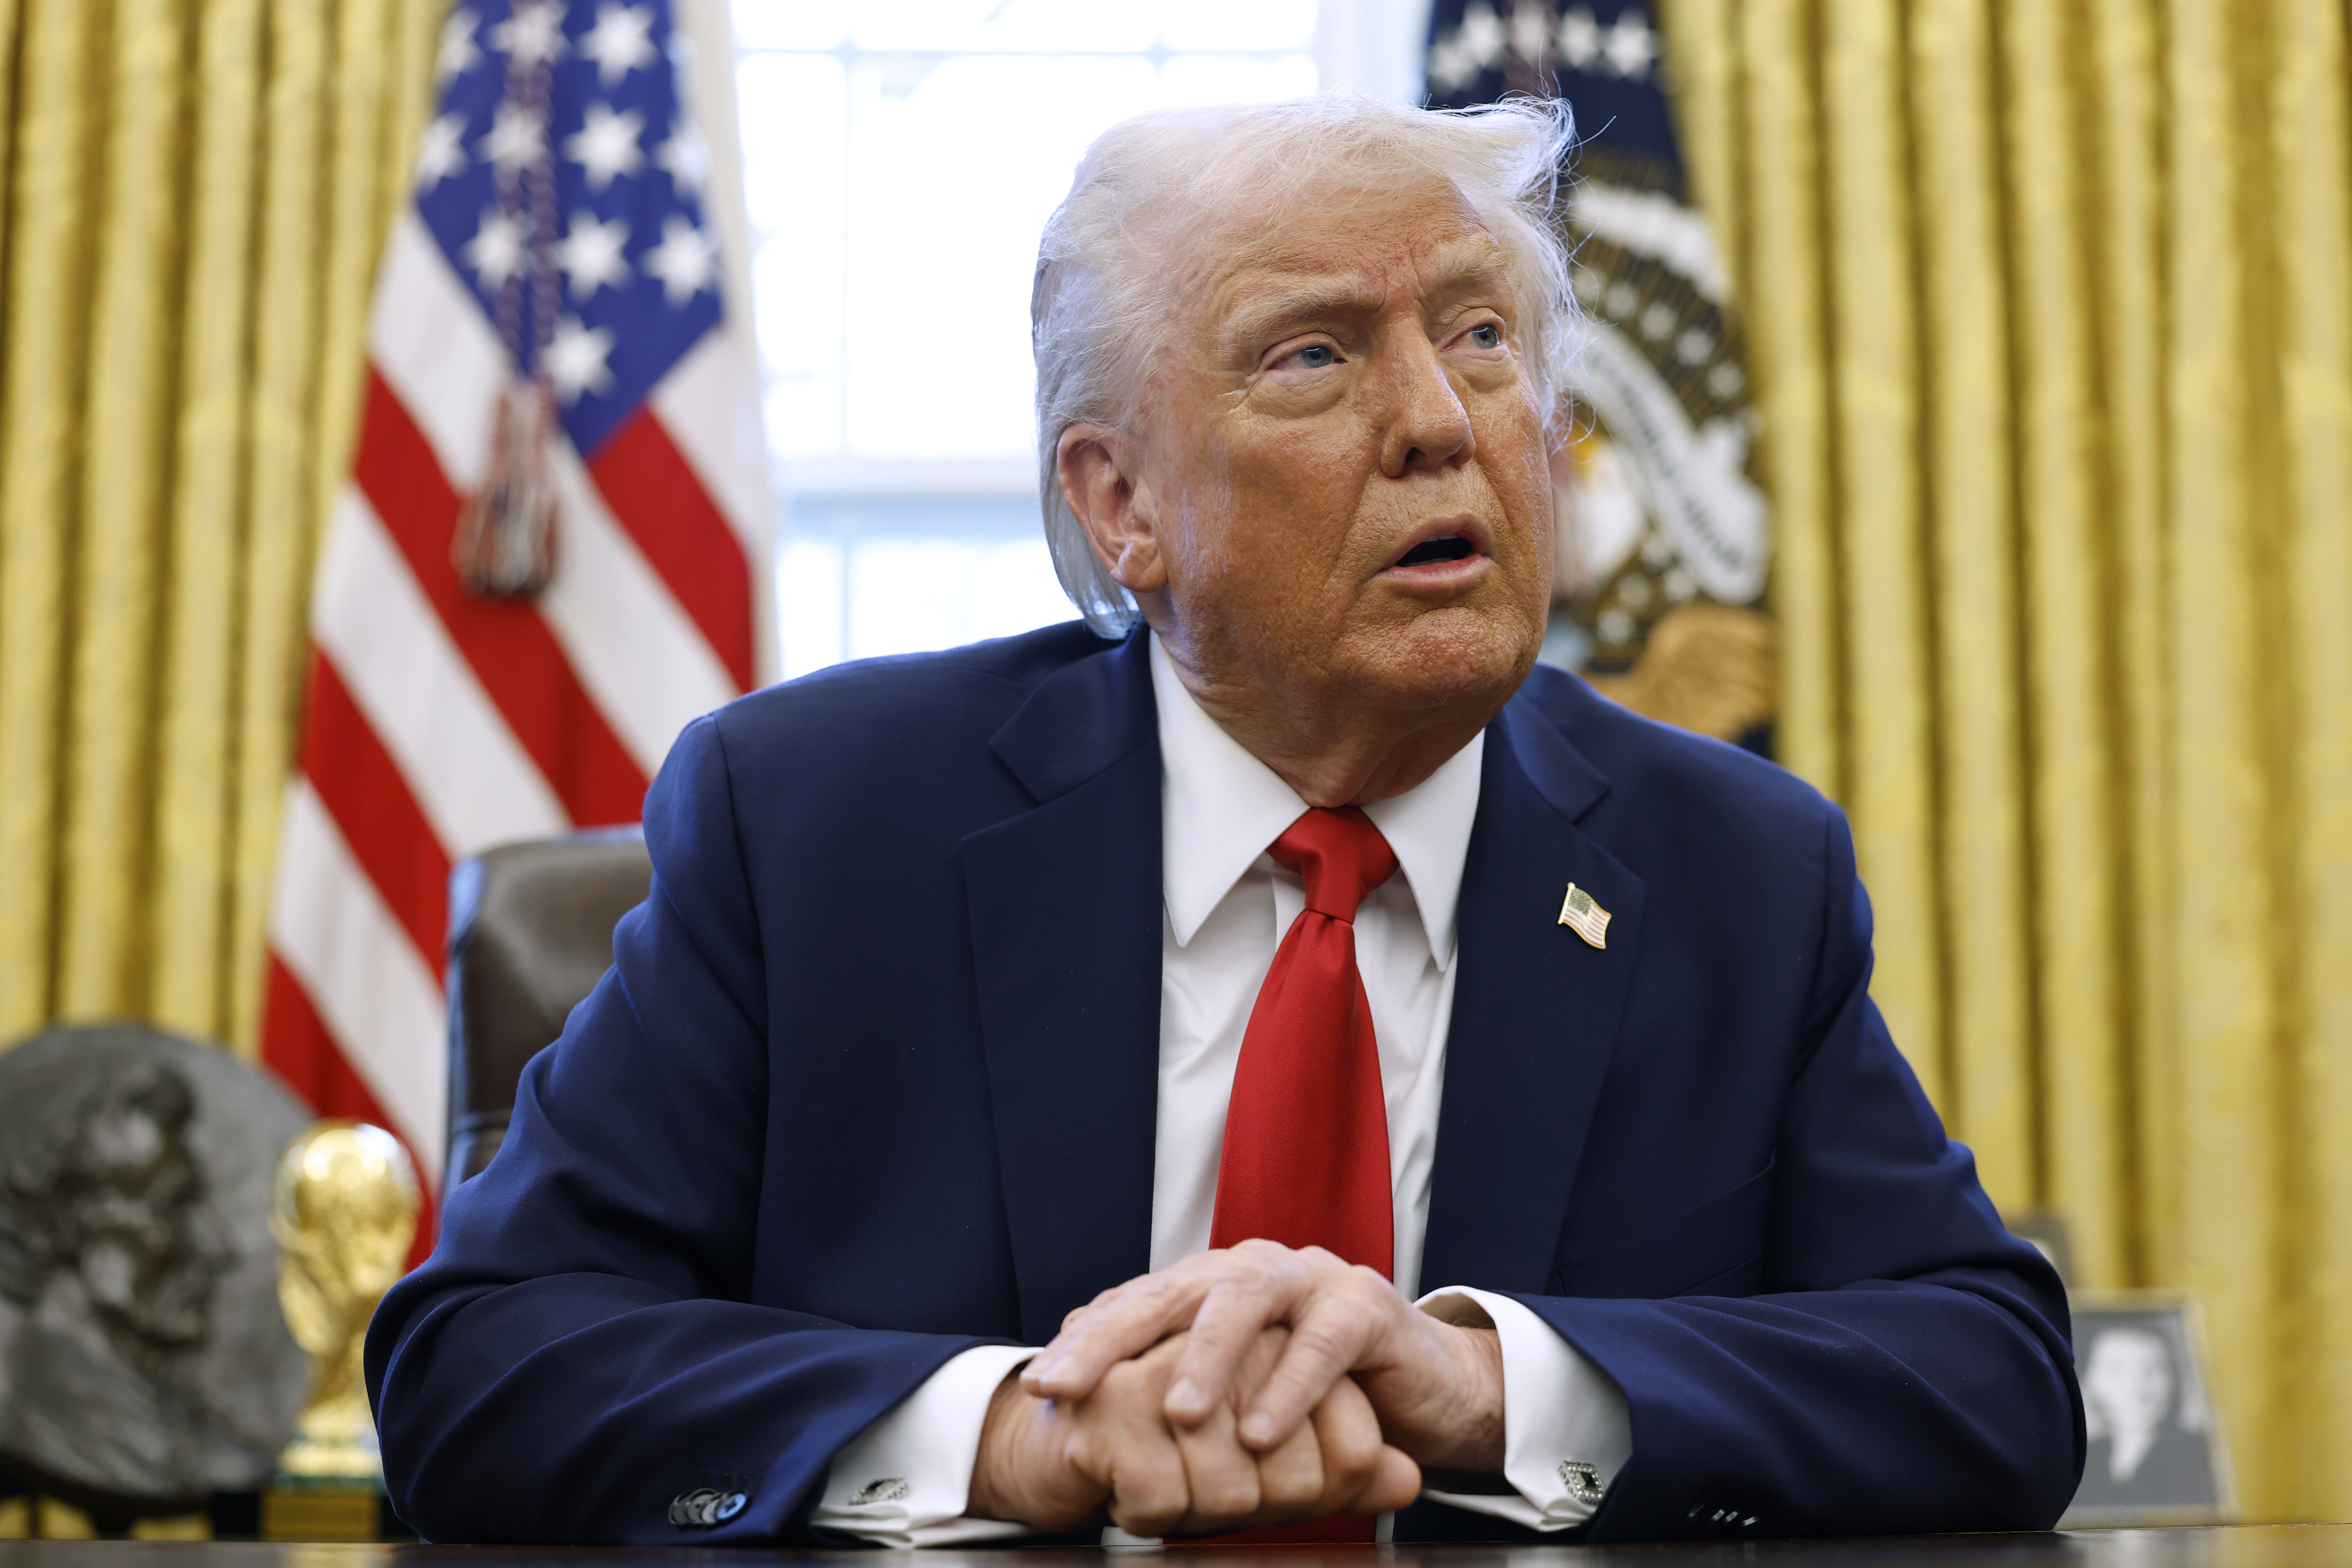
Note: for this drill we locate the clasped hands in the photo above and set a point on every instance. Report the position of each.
(1243, 1387)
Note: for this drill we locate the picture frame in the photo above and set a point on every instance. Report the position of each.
(2158, 1454)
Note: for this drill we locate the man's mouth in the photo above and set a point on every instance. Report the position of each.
(1445, 547)
(1443, 542)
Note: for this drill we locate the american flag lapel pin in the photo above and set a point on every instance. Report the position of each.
(1588, 920)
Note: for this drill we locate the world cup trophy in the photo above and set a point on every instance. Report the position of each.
(343, 1207)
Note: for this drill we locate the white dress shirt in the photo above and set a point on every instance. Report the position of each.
(906, 1479)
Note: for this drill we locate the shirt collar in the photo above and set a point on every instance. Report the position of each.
(1220, 807)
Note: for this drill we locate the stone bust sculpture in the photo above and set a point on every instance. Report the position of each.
(137, 1360)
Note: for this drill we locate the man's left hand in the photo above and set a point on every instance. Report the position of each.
(1436, 1388)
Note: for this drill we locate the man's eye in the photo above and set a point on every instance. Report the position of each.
(1313, 356)
(1488, 336)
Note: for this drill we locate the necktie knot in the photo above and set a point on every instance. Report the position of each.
(1341, 856)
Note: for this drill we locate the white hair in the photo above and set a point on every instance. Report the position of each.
(1153, 191)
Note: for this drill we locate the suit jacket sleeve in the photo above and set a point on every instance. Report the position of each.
(1905, 1366)
(582, 1347)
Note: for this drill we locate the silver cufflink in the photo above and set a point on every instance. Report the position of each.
(705, 1509)
(1582, 1480)
(889, 1488)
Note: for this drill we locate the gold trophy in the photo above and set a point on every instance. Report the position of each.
(343, 1209)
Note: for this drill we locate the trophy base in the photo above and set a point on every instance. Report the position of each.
(307, 1511)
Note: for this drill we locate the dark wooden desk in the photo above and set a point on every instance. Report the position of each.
(2243, 1546)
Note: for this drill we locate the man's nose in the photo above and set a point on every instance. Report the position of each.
(1427, 427)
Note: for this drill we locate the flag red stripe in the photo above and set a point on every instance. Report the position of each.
(658, 498)
(363, 791)
(513, 652)
(297, 1045)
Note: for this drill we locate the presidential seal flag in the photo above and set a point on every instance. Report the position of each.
(1666, 539)
(543, 565)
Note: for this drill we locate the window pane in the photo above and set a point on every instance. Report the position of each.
(909, 595)
(809, 603)
(950, 178)
(790, 108)
(790, 24)
(1014, 24)
(1235, 78)
(803, 415)
(1238, 24)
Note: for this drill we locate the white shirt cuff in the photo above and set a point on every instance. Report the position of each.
(906, 1480)
(1566, 1430)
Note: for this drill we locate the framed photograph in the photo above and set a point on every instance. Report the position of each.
(2157, 1454)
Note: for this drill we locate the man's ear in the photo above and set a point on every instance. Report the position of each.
(1096, 467)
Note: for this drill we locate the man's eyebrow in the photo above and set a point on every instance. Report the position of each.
(1264, 311)
(1279, 306)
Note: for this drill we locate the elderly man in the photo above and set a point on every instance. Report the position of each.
(1388, 1081)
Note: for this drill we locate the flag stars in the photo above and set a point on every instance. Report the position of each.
(443, 153)
(1531, 32)
(533, 34)
(575, 360)
(1476, 45)
(517, 137)
(1628, 46)
(590, 255)
(1632, 46)
(620, 42)
(458, 54)
(495, 253)
(685, 261)
(608, 145)
(1579, 38)
(685, 158)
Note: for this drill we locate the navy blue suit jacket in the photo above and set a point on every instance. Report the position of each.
(872, 1081)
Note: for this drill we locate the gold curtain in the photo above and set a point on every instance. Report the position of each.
(2051, 313)
(197, 193)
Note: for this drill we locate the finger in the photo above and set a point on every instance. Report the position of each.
(1131, 1453)
(1293, 1479)
(1327, 1341)
(1220, 1474)
(1346, 1435)
(1135, 1316)
(1395, 1483)
(1075, 1313)
(1247, 1298)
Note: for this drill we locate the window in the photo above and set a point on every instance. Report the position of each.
(900, 157)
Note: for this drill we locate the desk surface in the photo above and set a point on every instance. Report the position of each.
(2243, 1546)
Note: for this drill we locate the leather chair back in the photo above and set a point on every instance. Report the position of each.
(531, 932)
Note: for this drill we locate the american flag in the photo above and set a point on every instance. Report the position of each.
(543, 566)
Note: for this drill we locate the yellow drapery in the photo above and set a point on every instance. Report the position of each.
(196, 193)
(2050, 304)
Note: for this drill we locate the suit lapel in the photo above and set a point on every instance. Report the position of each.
(1066, 916)
(1536, 1012)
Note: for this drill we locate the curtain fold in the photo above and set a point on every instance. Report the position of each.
(195, 194)
(2050, 304)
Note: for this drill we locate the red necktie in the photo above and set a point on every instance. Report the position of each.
(1305, 1160)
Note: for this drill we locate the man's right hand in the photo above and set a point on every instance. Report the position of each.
(1060, 1466)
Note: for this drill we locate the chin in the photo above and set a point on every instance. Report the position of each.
(1455, 658)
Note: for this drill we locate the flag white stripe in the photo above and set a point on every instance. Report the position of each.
(470, 776)
(431, 343)
(332, 930)
(640, 655)
(709, 404)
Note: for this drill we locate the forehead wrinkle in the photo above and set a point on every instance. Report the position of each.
(1454, 266)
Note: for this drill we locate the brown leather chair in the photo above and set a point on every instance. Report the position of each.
(531, 932)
